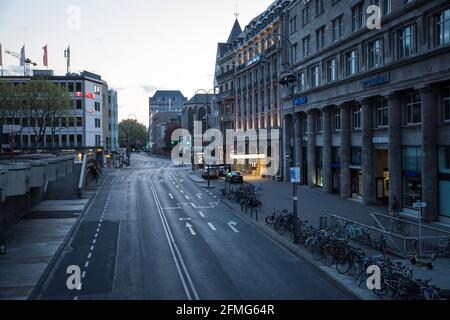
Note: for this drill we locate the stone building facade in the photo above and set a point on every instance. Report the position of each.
(372, 107)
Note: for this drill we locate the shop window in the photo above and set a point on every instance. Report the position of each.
(412, 178)
(357, 156)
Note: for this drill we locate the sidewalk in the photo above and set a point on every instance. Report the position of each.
(34, 241)
(313, 204)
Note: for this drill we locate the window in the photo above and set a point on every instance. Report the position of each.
(357, 117)
(71, 87)
(357, 17)
(406, 39)
(305, 15)
(351, 63)
(387, 7)
(306, 45)
(97, 123)
(413, 106)
(357, 156)
(97, 89)
(443, 28)
(375, 53)
(301, 82)
(320, 7)
(315, 76)
(71, 122)
(320, 38)
(382, 108)
(412, 181)
(78, 87)
(337, 120)
(319, 121)
(293, 24)
(64, 122)
(332, 70)
(78, 104)
(79, 122)
(446, 110)
(337, 28)
(97, 106)
(294, 52)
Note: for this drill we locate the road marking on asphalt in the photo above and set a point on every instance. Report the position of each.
(92, 248)
(98, 230)
(76, 298)
(176, 254)
(96, 235)
(181, 191)
(199, 196)
(232, 225)
(185, 219)
(83, 275)
(191, 228)
(178, 187)
(187, 198)
(201, 214)
(212, 226)
(171, 196)
(86, 264)
(94, 241)
(89, 256)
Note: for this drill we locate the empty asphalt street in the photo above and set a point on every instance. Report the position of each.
(153, 233)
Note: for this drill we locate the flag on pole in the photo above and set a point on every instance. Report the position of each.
(22, 56)
(45, 55)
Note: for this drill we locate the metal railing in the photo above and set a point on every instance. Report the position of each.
(402, 236)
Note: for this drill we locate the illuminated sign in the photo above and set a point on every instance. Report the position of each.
(377, 81)
(301, 101)
(88, 95)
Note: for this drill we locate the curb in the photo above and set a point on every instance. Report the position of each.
(296, 252)
(44, 277)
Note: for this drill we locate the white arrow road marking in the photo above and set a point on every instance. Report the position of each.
(171, 196)
(232, 225)
(212, 226)
(185, 219)
(201, 214)
(199, 195)
(191, 228)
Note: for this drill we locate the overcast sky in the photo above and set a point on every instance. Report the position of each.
(137, 46)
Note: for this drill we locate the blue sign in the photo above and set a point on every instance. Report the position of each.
(295, 175)
(301, 101)
(378, 80)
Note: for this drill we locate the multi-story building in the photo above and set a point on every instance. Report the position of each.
(79, 129)
(248, 71)
(372, 106)
(112, 142)
(159, 124)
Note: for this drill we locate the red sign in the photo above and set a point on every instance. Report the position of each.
(88, 95)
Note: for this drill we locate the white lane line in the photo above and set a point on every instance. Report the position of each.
(89, 256)
(98, 230)
(83, 275)
(201, 214)
(187, 198)
(96, 235)
(86, 264)
(176, 254)
(171, 196)
(76, 298)
(94, 241)
(181, 191)
(232, 225)
(92, 248)
(212, 226)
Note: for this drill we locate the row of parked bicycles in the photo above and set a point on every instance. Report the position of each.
(246, 195)
(332, 246)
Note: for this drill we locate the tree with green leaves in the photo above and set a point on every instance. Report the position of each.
(11, 106)
(132, 134)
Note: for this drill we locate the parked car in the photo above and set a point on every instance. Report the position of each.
(234, 177)
(222, 171)
(213, 173)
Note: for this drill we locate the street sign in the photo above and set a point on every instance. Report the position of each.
(419, 205)
(295, 175)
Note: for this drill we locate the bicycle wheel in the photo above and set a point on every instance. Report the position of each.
(343, 264)
(317, 252)
(328, 255)
(270, 220)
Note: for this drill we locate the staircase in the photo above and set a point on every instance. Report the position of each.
(65, 188)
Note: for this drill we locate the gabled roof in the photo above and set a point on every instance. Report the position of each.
(221, 49)
(235, 32)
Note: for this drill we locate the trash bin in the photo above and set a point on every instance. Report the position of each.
(323, 223)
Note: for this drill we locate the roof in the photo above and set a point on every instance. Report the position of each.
(168, 94)
(222, 49)
(200, 98)
(235, 32)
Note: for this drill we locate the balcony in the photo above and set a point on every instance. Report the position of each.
(225, 95)
(225, 75)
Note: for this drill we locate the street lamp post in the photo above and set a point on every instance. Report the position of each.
(206, 119)
(289, 81)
